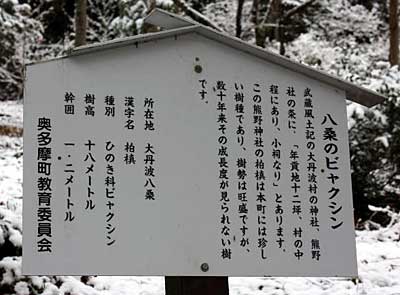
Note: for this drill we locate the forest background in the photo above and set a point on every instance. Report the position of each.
(356, 40)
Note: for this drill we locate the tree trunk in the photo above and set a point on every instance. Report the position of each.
(280, 33)
(239, 18)
(80, 22)
(394, 32)
(258, 30)
(274, 17)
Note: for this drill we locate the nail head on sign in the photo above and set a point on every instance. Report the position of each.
(204, 267)
(198, 69)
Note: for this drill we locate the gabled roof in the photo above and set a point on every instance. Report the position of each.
(175, 25)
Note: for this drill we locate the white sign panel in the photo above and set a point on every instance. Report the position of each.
(184, 157)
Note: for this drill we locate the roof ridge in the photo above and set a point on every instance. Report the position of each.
(167, 20)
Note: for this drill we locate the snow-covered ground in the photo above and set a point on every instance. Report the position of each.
(378, 251)
(11, 113)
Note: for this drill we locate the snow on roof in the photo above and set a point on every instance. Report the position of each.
(167, 20)
(175, 25)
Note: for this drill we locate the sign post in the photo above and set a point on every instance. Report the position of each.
(196, 285)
